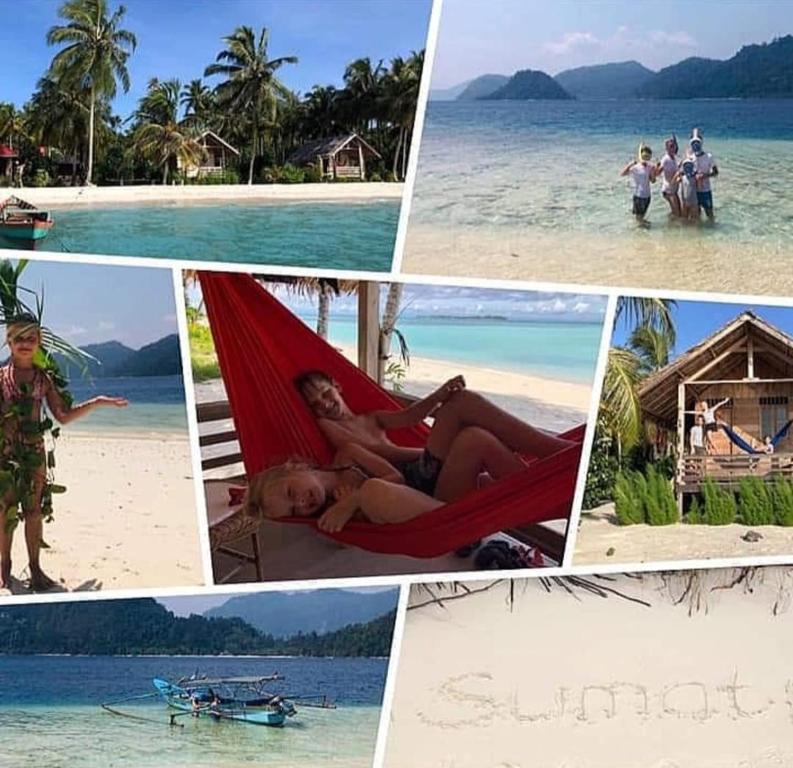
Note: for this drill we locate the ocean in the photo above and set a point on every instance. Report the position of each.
(156, 405)
(561, 351)
(50, 713)
(327, 235)
(537, 183)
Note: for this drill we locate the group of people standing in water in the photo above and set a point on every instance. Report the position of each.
(685, 182)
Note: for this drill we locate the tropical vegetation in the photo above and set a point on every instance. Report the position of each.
(67, 132)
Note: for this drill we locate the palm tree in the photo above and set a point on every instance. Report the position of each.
(362, 94)
(648, 313)
(13, 124)
(400, 96)
(251, 85)
(158, 135)
(199, 103)
(95, 56)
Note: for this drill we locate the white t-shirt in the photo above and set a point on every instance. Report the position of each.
(696, 437)
(709, 415)
(688, 190)
(703, 164)
(669, 169)
(640, 176)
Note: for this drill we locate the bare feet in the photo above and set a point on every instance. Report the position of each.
(5, 575)
(39, 581)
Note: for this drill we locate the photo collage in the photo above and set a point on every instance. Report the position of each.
(355, 397)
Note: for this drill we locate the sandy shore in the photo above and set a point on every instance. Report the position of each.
(578, 681)
(546, 403)
(598, 533)
(642, 259)
(75, 197)
(127, 519)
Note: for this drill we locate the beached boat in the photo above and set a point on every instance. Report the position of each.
(228, 698)
(21, 221)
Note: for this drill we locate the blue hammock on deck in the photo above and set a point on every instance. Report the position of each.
(736, 439)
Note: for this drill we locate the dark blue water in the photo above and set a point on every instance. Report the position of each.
(74, 680)
(165, 390)
(329, 235)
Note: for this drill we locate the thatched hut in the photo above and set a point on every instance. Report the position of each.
(218, 154)
(339, 157)
(7, 158)
(750, 362)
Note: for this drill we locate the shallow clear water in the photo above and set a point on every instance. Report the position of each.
(547, 173)
(157, 404)
(50, 712)
(329, 235)
(564, 351)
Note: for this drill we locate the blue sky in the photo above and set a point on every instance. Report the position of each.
(502, 36)
(696, 320)
(88, 303)
(424, 300)
(179, 38)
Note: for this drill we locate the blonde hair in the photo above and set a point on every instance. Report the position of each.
(262, 483)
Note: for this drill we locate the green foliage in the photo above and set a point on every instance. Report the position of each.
(395, 373)
(284, 174)
(627, 499)
(755, 504)
(660, 506)
(602, 472)
(695, 513)
(41, 178)
(782, 499)
(644, 498)
(719, 505)
(227, 176)
(203, 358)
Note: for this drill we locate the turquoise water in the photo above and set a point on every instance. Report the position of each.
(50, 715)
(565, 351)
(156, 404)
(329, 235)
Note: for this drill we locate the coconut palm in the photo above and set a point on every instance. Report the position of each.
(652, 347)
(199, 103)
(158, 135)
(361, 99)
(94, 57)
(647, 313)
(400, 97)
(13, 124)
(251, 86)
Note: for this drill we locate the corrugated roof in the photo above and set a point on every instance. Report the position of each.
(328, 147)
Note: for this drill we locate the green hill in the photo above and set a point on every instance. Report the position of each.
(143, 626)
(112, 358)
(529, 84)
(756, 71)
(618, 80)
(482, 86)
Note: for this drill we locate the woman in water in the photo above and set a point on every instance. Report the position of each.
(642, 173)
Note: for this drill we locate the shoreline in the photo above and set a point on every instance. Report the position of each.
(179, 656)
(125, 433)
(208, 194)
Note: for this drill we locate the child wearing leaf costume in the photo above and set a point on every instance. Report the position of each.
(29, 381)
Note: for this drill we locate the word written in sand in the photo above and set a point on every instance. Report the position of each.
(693, 700)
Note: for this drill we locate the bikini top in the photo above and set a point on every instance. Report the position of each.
(11, 390)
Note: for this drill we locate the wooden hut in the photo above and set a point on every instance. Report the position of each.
(7, 158)
(748, 361)
(217, 156)
(339, 157)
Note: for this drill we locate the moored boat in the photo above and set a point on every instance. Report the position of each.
(23, 222)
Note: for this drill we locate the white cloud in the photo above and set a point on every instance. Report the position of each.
(581, 306)
(106, 325)
(74, 330)
(570, 41)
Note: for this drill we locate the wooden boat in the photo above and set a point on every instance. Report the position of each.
(228, 698)
(22, 221)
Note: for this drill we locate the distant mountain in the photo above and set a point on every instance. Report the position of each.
(619, 80)
(447, 94)
(756, 71)
(529, 84)
(143, 626)
(161, 358)
(482, 86)
(286, 613)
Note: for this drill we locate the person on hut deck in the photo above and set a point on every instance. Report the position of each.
(699, 439)
(710, 414)
(24, 389)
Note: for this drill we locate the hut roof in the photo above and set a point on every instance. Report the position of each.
(211, 134)
(6, 151)
(328, 147)
(658, 392)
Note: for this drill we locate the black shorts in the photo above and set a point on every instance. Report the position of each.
(422, 473)
(640, 205)
(712, 427)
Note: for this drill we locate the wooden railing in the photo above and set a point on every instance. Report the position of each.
(730, 469)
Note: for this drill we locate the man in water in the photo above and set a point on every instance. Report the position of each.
(668, 168)
(642, 174)
(705, 168)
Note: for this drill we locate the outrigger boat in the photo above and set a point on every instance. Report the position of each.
(242, 699)
(22, 221)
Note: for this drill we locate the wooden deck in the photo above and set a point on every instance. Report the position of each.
(728, 470)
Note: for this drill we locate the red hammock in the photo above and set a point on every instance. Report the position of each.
(262, 347)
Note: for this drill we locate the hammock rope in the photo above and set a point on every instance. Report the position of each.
(262, 348)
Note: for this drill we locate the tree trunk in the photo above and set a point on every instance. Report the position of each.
(395, 169)
(405, 144)
(165, 173)
(253, 143)
(393, 300)
(91, 120)
(323, 312)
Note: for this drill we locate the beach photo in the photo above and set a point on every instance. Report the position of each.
(269, 679)
(692, 454)
(353, 428)
(669, 670)
(96, 475)
(609, 143)
(245, 131)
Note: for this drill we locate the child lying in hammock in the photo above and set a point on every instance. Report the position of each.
(467, 430)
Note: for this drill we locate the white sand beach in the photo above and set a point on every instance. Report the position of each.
(578, 681)
(599, 533)
(127, 519)
(196, 194)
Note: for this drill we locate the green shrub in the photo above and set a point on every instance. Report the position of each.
(782, 499)
(755, 506)
(312, 175)
(628, 504)
(601, 474)
(375, 176)
(41, 179)
(719, 507)
(695, 514)
(660, 506)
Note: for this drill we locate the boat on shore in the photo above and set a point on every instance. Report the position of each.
(23, 223)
